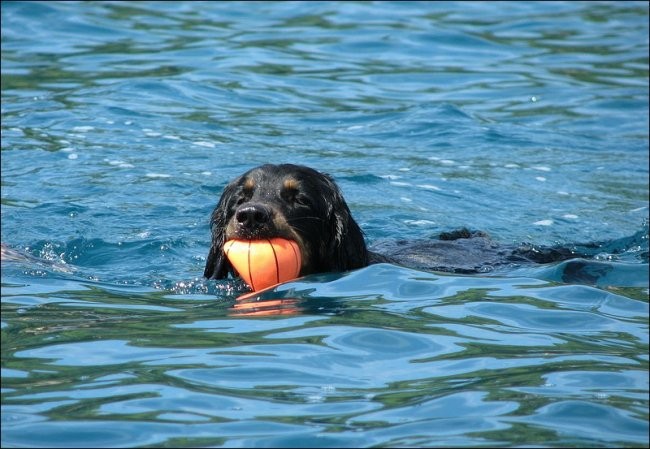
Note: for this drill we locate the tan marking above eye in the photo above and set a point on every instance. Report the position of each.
(249, 184)
(291, 184)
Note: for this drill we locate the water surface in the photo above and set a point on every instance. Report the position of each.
(123, 121)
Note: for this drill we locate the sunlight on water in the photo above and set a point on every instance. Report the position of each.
(123, 121)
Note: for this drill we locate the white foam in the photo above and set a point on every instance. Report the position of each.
(83, 129)
(158, 175)
(420, 222)
(118, 163)
(204, 143)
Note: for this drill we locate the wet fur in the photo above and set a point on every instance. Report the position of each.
(304, 205)
(297, 203)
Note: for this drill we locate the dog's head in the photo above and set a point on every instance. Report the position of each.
(293, 202)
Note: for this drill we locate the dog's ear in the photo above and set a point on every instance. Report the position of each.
(217, 265)
(346, 247)
(350, 246)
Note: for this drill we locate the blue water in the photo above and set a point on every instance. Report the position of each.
(122, 122)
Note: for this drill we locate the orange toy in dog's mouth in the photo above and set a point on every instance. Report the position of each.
(263, 263)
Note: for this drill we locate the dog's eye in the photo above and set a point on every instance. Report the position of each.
(302, 200)
(293, 196)
(241, 199)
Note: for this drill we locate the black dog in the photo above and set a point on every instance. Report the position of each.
(301, 204)
(293, 202)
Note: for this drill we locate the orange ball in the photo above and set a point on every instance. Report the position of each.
(263, 263)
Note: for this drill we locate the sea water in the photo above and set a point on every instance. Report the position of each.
(123, 121)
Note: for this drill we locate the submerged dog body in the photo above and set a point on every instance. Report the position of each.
(301, 204)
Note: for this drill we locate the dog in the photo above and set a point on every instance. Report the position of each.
(301, 204)
(293, 202)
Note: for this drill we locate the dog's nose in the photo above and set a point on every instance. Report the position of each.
(253, 216)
